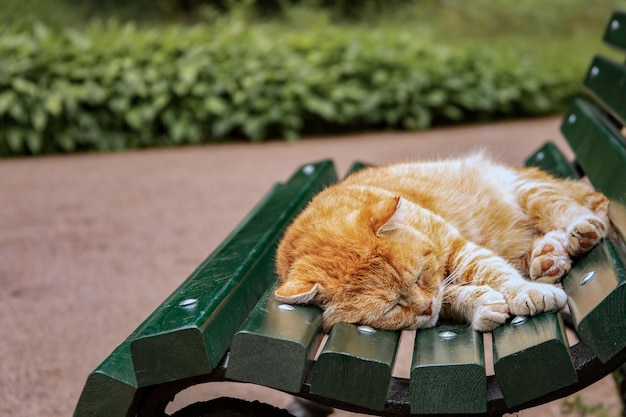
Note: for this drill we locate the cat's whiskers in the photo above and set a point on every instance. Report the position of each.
(454, 275)
(450, 280)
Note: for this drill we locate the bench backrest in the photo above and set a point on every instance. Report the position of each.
(593, 128)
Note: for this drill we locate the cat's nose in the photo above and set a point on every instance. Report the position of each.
(429, 310)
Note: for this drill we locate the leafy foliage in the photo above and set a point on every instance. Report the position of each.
(115, 86)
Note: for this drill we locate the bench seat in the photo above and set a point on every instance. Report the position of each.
(223, 324)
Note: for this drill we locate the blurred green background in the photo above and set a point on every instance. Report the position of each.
(91, 75)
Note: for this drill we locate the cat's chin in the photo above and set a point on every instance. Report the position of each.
(423, 322)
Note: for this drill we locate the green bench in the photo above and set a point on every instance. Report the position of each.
(222, 323)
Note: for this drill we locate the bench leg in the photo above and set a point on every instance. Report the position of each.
(231, 407)
(619, 375)
(305, 408)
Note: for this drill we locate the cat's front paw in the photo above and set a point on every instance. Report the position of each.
(492, 311)
(549, 260)
(535, 298)
(584, 234)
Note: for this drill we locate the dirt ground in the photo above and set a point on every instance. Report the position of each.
(91, 244)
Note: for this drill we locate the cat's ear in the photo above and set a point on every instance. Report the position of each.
(385, 216)
(296, 291)
(303, 282)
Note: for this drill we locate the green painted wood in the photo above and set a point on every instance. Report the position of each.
(550, 159)
(191, 330)
(532, 358)
(543, 335)
(448, 371)
(355, 365)
(357, 166)
(615, 33)
(596, 289)
(276, 345)
(606, 82)
(110, 389)
(601, 151)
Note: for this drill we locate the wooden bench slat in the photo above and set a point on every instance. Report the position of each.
(596, 289)
(110, 389)
(355, 365)
(550, 159)
(276, 345)
(192, 329)
(357, 166)
(595, 285)
(531, 358)
(345, 362)
(615, 33)
(601, 152)
(606, 82)
(448, 371)
(541, 341)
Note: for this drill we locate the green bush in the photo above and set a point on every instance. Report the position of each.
(115, 87)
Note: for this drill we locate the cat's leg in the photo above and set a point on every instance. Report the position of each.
(549, 258)
(561, 204)
(551, 254)
(474, 265)
(586, 232)
(570, 216)
(531, 298)
(483, 307)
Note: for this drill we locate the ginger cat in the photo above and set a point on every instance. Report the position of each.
(397, 247)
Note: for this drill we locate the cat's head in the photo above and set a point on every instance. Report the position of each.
(371, 268)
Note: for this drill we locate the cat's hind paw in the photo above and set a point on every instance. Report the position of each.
(549, 260)
(492, 311)
(536, 298)
(585, 234)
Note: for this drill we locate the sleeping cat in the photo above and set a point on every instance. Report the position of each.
(398, 246)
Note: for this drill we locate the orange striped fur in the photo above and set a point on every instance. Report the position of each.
(398, 246)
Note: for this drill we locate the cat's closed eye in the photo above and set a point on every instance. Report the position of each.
(396, 305)
(393, 308)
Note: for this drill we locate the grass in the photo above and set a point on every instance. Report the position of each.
(553, 32)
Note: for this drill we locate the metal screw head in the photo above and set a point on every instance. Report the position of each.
(366, 330)
(447, 335)
(595, 71)
(518, 320)
(587, 277)
(615, 24)
(286, 307)
(188, 303)
(309, 169)
(540, 156)
(571, 119)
